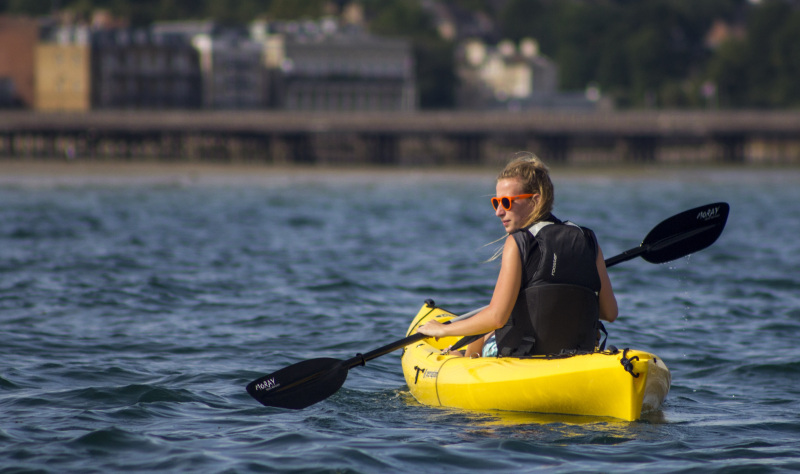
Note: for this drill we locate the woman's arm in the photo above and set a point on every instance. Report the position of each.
(499, 309)
(607, 300)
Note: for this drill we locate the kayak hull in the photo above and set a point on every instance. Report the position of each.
(597, 384)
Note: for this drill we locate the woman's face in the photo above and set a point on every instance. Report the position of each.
(514, 218)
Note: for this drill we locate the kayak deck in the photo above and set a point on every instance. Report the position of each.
(619, 384)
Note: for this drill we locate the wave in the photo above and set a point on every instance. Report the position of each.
(770, 368)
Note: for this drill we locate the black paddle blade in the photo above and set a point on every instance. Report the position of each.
(685, 233)
(299, 385)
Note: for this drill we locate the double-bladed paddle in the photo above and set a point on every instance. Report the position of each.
(306, 383)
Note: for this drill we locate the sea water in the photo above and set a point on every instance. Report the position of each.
(133, 312)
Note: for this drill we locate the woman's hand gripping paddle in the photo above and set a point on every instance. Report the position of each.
(306, 383)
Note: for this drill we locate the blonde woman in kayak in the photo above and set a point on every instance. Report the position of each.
(553, 286)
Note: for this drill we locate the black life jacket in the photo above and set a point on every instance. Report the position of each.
(557, 306)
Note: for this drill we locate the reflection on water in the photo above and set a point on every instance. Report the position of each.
(499, 418)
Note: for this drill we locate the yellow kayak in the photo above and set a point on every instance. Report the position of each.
(620, 384)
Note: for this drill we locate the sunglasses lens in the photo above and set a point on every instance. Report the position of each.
(495, 203)
(506, 202)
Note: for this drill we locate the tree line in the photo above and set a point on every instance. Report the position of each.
(653, 53)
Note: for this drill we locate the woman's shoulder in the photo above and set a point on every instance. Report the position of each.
(522, 240)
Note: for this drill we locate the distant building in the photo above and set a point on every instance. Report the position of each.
(231, 66)
(314, 65)
(503, 76)
(233, 72)
(185, 29)
(137, 69)
(63, 70)
(7, 93)
(320, 66)
(18, 38)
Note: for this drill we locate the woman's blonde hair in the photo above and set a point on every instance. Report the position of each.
(535, 178)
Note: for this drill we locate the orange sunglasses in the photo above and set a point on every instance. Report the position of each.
(507, 201)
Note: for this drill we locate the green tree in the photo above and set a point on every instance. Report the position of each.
(28, 7)
(404, 18)
(785, 90)
(436, 80)
(235, 12)
(761, 69)
(729, 69)
(486, 6)
(581, 45)
(528, 19)
(294, 9)
(434, 57)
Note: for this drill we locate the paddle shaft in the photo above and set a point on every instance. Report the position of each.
(361, 359)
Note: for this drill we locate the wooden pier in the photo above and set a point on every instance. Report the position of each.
(398, 138)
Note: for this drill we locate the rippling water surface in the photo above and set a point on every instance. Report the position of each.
(134, 312)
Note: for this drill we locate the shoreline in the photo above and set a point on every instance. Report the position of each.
(43, 172)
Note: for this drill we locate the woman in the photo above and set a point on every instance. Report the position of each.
(553, 284)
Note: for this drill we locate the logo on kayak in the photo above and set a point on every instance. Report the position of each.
(430, 375)
(267, 384)
(418, 369)
(708, 214)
